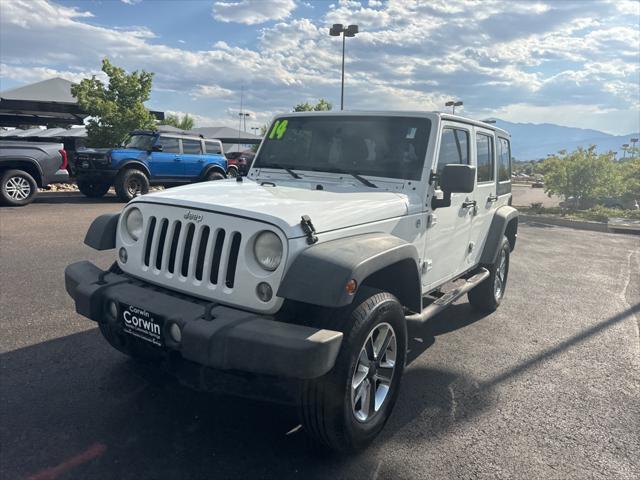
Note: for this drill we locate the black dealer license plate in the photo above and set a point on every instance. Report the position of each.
(142, 324)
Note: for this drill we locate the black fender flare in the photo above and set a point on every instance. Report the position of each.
(137, 163)
(102, 232)
(505, 221)
(319, 274)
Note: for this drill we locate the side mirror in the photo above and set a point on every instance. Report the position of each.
(458, 178)
(156, 148)
(454, 179)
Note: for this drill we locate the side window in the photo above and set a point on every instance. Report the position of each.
(504, 160)
(212, 147)
(454, 148)
(169, 144)
(484, 145)
(191, 147)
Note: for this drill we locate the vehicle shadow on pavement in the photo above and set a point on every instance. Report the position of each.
(73, 407)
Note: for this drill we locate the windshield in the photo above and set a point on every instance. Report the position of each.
(140, 142)
(392, 147)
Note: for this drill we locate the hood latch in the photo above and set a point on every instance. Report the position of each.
(308, 229)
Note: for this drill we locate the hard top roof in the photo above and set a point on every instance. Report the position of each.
(399, 113)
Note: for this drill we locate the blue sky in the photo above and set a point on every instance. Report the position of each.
(574, 63)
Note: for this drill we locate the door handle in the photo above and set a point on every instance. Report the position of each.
(492, 198)
(177, 159)
(469, 203)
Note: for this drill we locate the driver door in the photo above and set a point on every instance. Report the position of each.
(449, 228)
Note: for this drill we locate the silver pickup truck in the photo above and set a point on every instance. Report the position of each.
(27, 166)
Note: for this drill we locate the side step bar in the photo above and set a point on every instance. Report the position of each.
(448, 298)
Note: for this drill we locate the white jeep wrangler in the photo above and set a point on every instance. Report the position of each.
(306, 273)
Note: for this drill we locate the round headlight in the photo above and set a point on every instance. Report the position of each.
(268, 250)
(133, 223)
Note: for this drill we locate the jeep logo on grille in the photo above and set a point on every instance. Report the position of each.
(196, 217)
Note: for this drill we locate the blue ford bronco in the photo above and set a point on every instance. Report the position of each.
(149, 158)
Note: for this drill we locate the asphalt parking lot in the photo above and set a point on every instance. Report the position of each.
(546, 387)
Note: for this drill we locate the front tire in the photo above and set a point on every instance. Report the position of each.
(131, 183)
(487, 296)
(17, 188)
(93, 188)
(347, 408)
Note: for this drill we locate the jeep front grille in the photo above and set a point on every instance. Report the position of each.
(194, 252)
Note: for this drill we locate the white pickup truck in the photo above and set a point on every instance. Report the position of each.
(348, 227)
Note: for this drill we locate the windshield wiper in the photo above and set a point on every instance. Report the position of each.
(286, 169)
(362, 180)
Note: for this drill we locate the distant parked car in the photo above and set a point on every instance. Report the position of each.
(537, 184)
(149, 158)
(239, 162)
(27, 166)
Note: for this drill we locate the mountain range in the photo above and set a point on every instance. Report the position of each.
(533, 141)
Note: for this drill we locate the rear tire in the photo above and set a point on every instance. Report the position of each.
(232, 173)
(487, 296)
(131, 183)
(17, 188)
(93, 188)
(347, 408)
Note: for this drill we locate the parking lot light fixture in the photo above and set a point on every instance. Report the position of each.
(335, 31)
(453, 104)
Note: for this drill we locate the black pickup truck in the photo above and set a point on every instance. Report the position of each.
(27, 166)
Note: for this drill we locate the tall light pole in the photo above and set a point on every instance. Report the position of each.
(335, 31)
(453, 104)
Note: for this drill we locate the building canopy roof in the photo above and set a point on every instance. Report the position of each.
(48, 103)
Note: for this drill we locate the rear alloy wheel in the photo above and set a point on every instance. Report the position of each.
(232, 173)
(17, 188)
(131, 183)
(93, 188)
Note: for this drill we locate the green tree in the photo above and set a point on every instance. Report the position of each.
(184, 123)
(117, 108)
(582, 174)
(321, 106)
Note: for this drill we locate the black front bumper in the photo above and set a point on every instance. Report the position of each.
(227, 339)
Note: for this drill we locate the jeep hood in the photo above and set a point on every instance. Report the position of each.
(336, 207)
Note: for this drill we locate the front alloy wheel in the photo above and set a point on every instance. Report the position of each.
(348, 407)
(372, 377)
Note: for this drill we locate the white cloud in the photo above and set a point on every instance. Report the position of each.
(252, 12)
(131, 2)
(526, 60)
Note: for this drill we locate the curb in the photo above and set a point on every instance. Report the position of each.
(580, 224)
